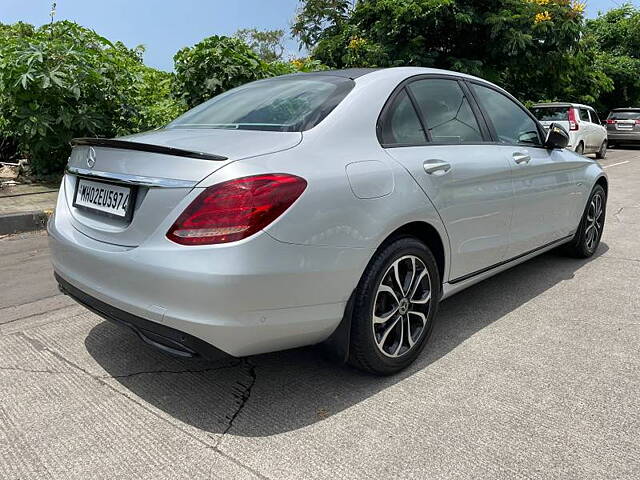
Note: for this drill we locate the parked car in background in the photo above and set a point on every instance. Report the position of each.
(586, 133)
(338, 206)
(623, 125)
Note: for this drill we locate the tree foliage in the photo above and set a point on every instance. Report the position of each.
(318, 18)
(218, 63)
(214, 65)
(616, 35)
(534, 48)
(267, 44)
(62, 81)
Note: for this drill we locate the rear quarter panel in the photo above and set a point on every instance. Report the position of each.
(331, 212)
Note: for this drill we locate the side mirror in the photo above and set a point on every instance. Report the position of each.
(557, 137)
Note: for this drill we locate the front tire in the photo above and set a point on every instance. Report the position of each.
(587, 238)
(600, 154)
(395, 303)
(580, 149)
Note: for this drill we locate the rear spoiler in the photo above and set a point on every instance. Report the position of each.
(143, 147)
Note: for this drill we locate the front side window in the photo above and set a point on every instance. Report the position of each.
(510, 121)
(446, 110)
(286, 104)
(594, 117)
(401, 125)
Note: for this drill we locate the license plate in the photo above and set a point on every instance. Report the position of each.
(104, 198)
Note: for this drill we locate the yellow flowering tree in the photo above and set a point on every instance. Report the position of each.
(535, 48)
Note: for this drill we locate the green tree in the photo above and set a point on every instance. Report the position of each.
(218, 63)
(616, 34)
(267, 44)
(214, 65)
(318, 18)
(62, 81)
(534, 48)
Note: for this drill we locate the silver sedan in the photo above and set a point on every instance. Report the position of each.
(337, 207)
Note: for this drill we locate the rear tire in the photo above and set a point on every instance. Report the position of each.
(587, 238)
(600, 154)
(580, 149)
(395, 303)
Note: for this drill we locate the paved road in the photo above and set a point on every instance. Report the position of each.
(534, 373)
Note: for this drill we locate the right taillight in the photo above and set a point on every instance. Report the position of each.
(573, 123)
(236, 209)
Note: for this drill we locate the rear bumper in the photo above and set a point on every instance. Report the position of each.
(631, 137)
(251, 297)
(167, 339)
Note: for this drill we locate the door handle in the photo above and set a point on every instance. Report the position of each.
(436, 167)
(519, 158)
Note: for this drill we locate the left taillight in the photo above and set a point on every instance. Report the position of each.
(573, 122)
(236, 209)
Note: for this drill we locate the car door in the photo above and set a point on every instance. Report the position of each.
(433, 129)
(544, 183)
(589, 131)
(599, 132)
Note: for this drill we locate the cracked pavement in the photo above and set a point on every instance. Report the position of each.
(534, 373)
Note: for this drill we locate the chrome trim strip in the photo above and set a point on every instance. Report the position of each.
(152, 182)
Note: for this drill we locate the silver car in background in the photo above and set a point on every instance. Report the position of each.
(623, 126)
(586, 132)
(336, 207)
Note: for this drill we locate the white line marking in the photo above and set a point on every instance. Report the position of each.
(614, 164)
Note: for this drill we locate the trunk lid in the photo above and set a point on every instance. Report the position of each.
(161, 167)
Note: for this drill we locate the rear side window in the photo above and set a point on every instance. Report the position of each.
(551, 114)
(624, 115)
(511, 122)
(446, 111)
(401, 125)
(286, 104)
(584, 115)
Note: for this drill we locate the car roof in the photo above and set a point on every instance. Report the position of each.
(628, 109)
(562, 104)
(351, 73)
(354, 73)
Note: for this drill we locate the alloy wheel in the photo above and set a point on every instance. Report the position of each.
(593, 230)
(401, 306)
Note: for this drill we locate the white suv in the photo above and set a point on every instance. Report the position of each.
(586, 133)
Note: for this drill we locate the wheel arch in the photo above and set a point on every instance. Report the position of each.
(336, 347)
(426, 233)
(604, 183)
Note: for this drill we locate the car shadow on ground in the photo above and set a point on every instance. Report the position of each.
(280, 392)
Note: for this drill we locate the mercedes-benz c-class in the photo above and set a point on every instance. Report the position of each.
(336, 207)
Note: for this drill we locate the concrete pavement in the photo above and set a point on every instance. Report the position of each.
(534, 373)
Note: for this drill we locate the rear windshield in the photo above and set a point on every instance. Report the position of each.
(624, 115)
(551, 114)
(284, 104)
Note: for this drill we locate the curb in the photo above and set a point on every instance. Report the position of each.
(24, 222)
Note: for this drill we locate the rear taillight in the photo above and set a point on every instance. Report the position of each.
(638, 122)
(573, 123)
(611, 122)
(236, 209)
